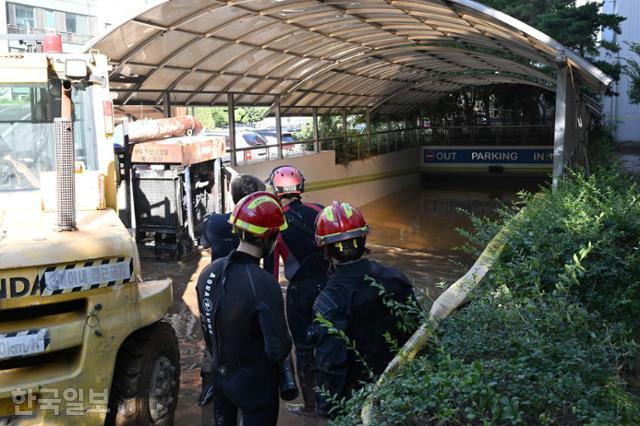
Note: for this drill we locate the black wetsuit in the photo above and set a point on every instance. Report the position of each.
(306, 270)
(242, 316)
(218, 235)
(354, 306)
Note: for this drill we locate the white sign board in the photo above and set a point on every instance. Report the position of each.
(22, 344)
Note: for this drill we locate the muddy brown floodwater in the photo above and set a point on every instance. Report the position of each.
(413, 229)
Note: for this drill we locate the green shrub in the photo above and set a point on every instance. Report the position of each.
(548, 336)
(603, 210)
(601, 148)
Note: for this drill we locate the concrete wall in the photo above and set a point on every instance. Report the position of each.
(360, 182)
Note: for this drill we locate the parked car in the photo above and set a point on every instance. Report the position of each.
(287, 150)
(244, 139)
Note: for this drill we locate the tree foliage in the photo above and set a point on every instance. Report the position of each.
(577, 27)
(250, 115)
(213, 117)
(513, 103)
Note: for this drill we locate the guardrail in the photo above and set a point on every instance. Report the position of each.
(362, 145)
(353, 147)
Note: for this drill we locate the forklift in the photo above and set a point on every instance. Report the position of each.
(82, 340)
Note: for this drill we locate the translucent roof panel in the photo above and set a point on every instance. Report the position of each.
(390, 56)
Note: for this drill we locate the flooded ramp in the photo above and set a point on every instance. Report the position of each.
(415, 229)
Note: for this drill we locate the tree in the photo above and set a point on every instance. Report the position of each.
(577, 27)
(220, 116)
(211, 117)
(204, 117)
(633, 69)
(250, 115)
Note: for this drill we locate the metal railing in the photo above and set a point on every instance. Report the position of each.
(360, 146)
(492, 135)
(67, 37)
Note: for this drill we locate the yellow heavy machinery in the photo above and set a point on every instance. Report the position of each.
(82, 339)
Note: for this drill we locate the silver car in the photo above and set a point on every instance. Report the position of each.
(248, 142)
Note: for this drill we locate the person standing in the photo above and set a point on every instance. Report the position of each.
(217, 230)
(305, 268)
(219, 236)
(242, 318)
(352, 305)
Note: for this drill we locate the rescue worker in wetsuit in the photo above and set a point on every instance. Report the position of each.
(305, 267)
(219, 236)
(217, 230)
(242, 317)
(353, 305)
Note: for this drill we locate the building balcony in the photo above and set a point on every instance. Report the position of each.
(67, 37)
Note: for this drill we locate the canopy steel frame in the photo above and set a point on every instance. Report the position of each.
(389, 55)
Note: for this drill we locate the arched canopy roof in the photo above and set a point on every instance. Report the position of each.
(392, 56)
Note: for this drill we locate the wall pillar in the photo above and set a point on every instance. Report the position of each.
(565, 136)
(278, 126)
(368, 116)
(166, 104)
(231, 106)
(344, 124)
(316, 139)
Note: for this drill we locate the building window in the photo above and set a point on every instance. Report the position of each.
(82, 24)
(71, 23)
(49, 19)
(24, 16)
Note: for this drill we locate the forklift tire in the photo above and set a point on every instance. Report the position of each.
(146, 378)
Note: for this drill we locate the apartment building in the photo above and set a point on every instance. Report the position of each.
(618, 110)
(76, 21)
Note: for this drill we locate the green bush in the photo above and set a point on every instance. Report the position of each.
(601, 149)
(548, 336)
(603, 210)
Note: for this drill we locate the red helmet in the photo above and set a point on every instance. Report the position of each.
(339, 222)
(286, 180)
(259, 214)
